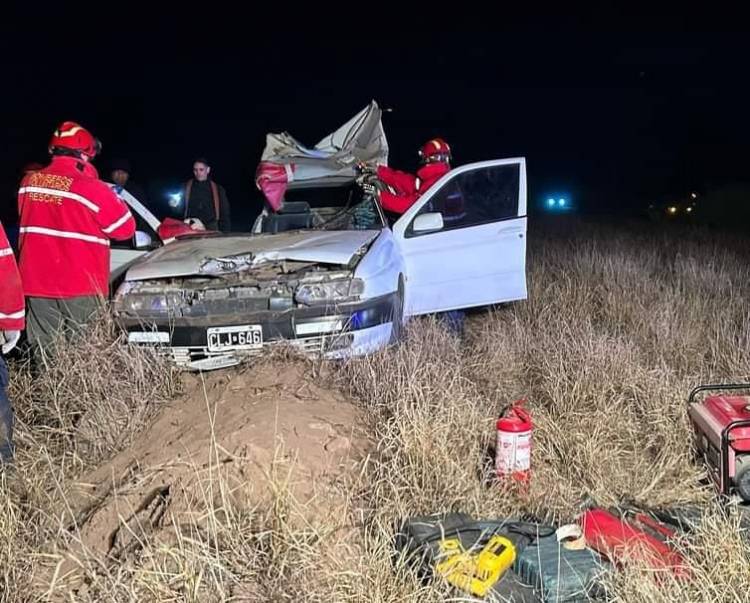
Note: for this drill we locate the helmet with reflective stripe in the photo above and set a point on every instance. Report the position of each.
(73, 139)
(435, 150)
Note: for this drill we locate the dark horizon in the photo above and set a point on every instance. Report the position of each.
(610, 117)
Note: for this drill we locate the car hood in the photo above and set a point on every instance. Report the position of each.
(185, 257)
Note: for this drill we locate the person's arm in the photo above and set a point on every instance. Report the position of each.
(225, 219)
(12, 310)
(404, 183)
(397, 204)
(113, 216)
(186, 189)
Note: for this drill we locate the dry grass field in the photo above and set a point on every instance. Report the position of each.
(619, 325)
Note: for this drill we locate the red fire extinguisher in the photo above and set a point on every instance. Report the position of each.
(513, 452)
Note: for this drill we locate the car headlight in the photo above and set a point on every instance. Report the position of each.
(124, 289)
(329, 291)
(122, 293)
(129, 302)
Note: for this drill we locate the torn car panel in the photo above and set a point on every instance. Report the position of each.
(288, 164)
(190, 257)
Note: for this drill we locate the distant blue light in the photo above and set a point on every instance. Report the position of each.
(551, 202)
(561, 202)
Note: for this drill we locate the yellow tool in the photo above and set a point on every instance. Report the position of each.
(475, 572)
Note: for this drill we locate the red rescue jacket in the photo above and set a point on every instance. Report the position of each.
(12, 314)
(68, 217)
(408, 187)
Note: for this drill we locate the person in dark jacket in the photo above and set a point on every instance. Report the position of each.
(206, 200)
(120, 174)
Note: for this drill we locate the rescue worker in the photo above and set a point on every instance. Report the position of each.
(12, 320)
(205, 199)
(31, 167)
(403, 189)
(67, 219)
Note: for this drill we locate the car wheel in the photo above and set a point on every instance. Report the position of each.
(397, 317)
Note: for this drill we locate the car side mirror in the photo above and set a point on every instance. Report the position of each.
(429, 222)
(143, 240)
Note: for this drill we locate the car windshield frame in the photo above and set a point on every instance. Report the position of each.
(356, 210)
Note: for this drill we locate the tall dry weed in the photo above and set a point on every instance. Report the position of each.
(620, 324)
(88, 403)
(618, 328)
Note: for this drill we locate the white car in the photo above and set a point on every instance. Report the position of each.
(330, 277)
(124, 253)
(329, 271)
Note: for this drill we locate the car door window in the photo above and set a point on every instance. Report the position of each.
(488, 194)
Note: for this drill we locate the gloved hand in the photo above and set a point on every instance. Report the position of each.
(370, 189)
(195, 223)
(9, 339)
(366, 169)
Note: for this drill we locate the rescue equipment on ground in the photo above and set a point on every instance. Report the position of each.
(561, 574)
(721, 423)
(433, 544)
(622, 541)
(475, 571)
(514, 443)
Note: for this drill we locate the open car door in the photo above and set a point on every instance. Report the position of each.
(464, 241)
(124, 253)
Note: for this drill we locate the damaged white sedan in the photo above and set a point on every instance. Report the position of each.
(328, 273)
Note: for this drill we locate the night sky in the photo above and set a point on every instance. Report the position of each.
(612, 111)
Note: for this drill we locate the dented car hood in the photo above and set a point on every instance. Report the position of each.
(185, 257)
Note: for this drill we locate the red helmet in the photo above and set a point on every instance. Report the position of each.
(72, 139)
(435, 150)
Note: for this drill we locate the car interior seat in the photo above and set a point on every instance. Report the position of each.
(292, 215)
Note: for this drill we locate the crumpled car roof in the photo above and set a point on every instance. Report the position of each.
(288, 164)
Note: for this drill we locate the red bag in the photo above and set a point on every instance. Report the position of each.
(620, 541)
(170, 229)
(273, 179)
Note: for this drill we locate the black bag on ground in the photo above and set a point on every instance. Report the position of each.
(560, 575)
(417, 542)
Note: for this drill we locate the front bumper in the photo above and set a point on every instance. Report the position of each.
(331, 331)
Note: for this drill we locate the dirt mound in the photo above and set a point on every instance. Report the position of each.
(272, 425)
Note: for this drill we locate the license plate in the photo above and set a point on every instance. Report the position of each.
(244, 337)
(148, 337)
